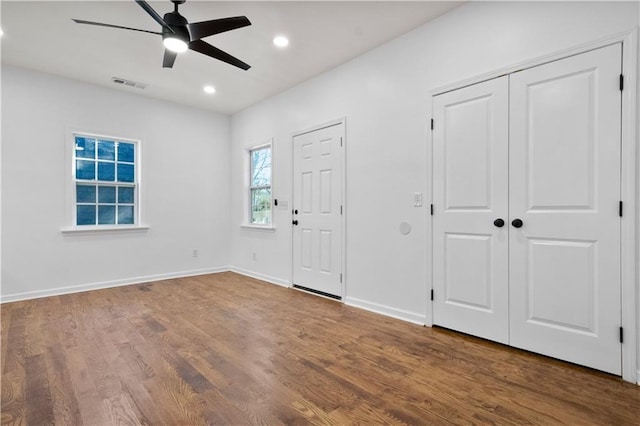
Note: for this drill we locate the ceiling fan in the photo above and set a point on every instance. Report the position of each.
(178, 34)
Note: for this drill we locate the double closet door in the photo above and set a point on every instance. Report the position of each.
(526, 226)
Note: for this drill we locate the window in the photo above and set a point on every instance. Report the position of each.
(260, 185)
(105, 183)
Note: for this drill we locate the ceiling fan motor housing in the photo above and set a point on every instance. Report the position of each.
(178, 24)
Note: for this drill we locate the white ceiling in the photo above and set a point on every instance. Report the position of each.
(40, 35)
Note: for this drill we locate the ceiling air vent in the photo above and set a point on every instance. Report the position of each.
(129, 83)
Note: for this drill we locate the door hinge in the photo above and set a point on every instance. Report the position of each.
(621, 82)
(432, 124)
(431, 209)
(341, 141)
(341, 278)
(340, 209)
(620, 209)
(431, 294)
(621, 335)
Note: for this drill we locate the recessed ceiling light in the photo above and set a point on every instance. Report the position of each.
(209, 90)
(1, 32)
(281, 41)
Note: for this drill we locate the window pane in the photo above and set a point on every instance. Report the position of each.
(106, 150)
(86, 215)
(85, 170)
(125, 195)
(85, 194)
(125, 215)
(126, 152)
(107, 161)
(85, 148)
(261, 167)
(261, 206)
(107, 194)
(106, 215)
(125, 172)
(106, 171)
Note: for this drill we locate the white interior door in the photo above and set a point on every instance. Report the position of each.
(317, 209)
(470, 190)
(565, 188)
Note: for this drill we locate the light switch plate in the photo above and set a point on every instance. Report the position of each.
(417, 199)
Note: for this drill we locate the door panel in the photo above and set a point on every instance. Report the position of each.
(468, 272)
(565, 186)
(570, 271)
(470, 184)
(561, 136)
(317, 196)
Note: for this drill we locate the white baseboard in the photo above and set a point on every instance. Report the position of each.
(261, 277)
(638, 378)
(386, 310)
(5, 298)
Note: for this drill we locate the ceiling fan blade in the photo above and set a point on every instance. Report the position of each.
(100, 24)
(199, 30)
(169, 58)
(147, 8)
(207, 49)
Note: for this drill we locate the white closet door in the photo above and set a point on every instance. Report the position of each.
(470, 185)
(565, 187)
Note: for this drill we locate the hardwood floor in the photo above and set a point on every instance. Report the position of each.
(227, 349)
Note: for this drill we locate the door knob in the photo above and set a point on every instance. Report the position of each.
(295, 222)
(517, 223)
(498, 223)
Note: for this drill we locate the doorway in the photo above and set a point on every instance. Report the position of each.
(318, 209)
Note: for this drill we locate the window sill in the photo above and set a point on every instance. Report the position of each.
(268, 228)
(94, 230)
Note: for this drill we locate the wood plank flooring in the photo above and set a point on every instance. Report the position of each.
(226, 349)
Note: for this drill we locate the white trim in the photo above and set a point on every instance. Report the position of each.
(630, 189)
(386, 310)
(262, 277)
(330, 123)
(266, 228)
(104, 229)
(336, 122)
(107, 284)
(630, 292)
(428, 261)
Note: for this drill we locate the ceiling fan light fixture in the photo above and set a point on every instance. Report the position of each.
(175, 44)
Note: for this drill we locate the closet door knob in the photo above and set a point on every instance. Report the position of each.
(499, 223)
(517, 223)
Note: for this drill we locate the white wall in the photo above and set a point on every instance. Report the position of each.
(184, 186)
(385, 96)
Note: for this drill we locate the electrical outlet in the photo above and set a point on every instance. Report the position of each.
(195, 253)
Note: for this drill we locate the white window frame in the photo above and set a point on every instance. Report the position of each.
(250, 188)
(71, 204)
